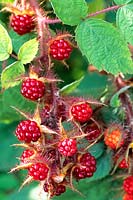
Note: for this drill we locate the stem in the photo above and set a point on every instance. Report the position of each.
(51, 21)
(104, 11)
(42, 30)
(126, 103)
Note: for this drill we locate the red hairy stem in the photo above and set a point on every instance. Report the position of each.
(104, 11)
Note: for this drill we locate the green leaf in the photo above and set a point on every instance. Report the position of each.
(28, 51)
(71, 87)
(5, 44)
(104, 166)
(104, 46)
(92, 85)
(12, 182)
(97, 149)
(115, 102)
(18, 41)
(7, 138)
(120, 2)
(12, 97)
(70, 12)
(11, 73)
(124, 21)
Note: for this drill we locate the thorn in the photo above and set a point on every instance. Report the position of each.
(27, 181)
(20, 112)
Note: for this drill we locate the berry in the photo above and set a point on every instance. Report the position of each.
(92, 132)
(26, 154)
(112, 138)
(60, 189)
(28, 131)
(123, 164)
(60, 49)
(127, 197)
(87, 166)
(81, 112)
(22, 24)
(38, 171)
(128, 185)
(67, 147)
(32, 89)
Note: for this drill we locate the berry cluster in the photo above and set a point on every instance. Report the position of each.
(86, 166)
(128, 188)
(22, 23)
(113, 138)
(60, 49)
(52, 153)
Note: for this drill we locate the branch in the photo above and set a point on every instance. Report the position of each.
(104, 11)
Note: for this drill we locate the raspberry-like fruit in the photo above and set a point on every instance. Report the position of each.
(128, 185)
(127, 197)
(92, 132)
(26, 154)
(67, 147)
(38, 171)
(28, 131)
(123, 164)
(81, 112)
(22, 24)
(60, 49)
(32, 89)
(113, 138)
(60, 189)
(86, 166)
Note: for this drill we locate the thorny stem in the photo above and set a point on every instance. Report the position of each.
(126, 103)
(53, 21)
(42, 28)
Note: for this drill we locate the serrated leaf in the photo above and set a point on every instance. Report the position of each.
(11, 75)
(18, 41)
(104, 46)
(115, 102)
(120, 2)
(5, 44)
(70, 12)
(70, 87)
(104, 166)
(124, 21)
(28, 51)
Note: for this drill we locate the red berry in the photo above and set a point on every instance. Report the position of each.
(113, 138)
(67, 147)
(22, 24)
(60, 189)
(60, 49)
(81, 112)
(123, 164)
(26, 154)
(128, 185)
(86, 168)
(92, 132)
(32, 89)
(28, 131)
(127, 197)
(38, 171)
